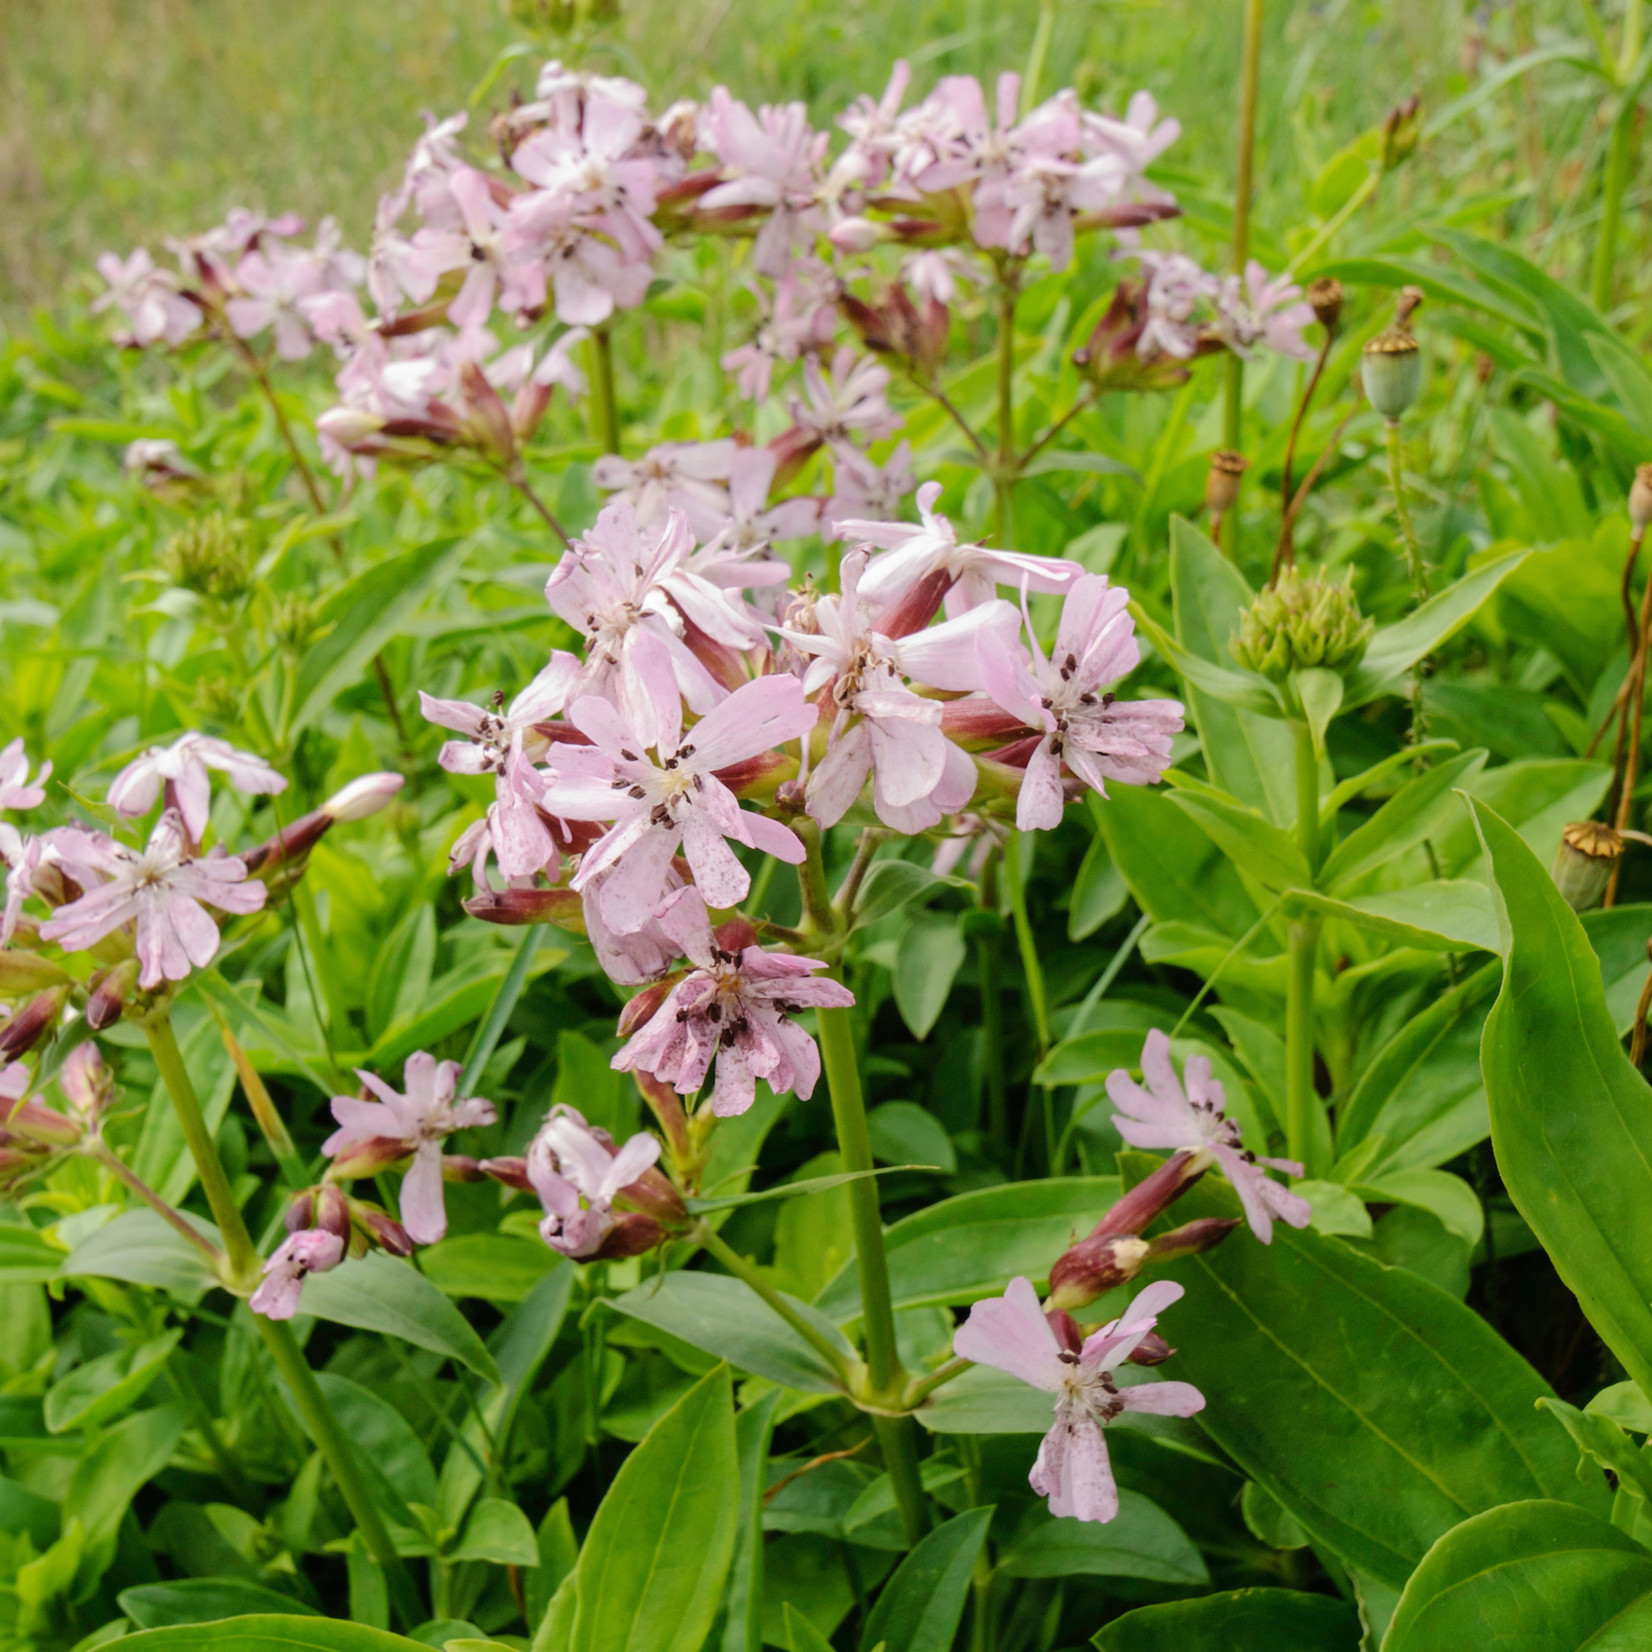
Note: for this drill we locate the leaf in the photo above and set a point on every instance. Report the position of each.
(1244, 1620)
(1090, 1057)
(27, 1256)
(497, 1267)
(927, 960)
(139, 1247)
(1405, 820)
(1320, 692)
(922, 1603)
(558, 1555)
(271, 1633)
(730, 1321)
(801, 1635)
(1140, 1541)
(1440, 1193)
(1571, 1122)
(1540, 1576)
(1099, 893)
(1257, 847)
(1335, 1209)
(1243, 690)
(799, 1189)
(1618, 935)
(375, 1293)
(1604, 1440)
(103, 1387)
(386, 1444)
(964, 1248)
(987, 1401)
(401, 971)
(498, 1531)
(651, 1573)
(361, 617)
(903, 1133)
(753, 1429)
(1372, 1405)
(890, 884)
(125, 1458)
(204, 1600)
(1625, 1404)
(1396, 648)
(162, 1157)
(1448, 915)
(1067, 459)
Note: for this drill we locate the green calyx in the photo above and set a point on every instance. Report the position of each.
(1303, 622)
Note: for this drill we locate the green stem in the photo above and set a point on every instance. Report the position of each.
(1618, 161)
(708, 1237)
(920, 1391)
(604, 405)
(989, 959)
(1343, 213)
(1301, 1100)
(1250, 74)
(269, 1120)
(244, 1270)
(112, 1162)
(1016, 867)
(1004, 468)
(898, 1441)
(1396, 480)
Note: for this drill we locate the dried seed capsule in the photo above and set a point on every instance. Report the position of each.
(1583, 864)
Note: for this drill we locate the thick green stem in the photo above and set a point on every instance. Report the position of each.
(1004, 468)
(604, 405)
(1301, 1100)
(1250, 73)
(1016, 867)
(244, 1269)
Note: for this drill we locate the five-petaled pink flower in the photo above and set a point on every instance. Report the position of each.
(182, 767)
(578, 1174)
(163, 891)
(416, 1122)
(1195, 1121)
(314, 1250)
(1067, 694)
(1012, 1334)
(735, 1007)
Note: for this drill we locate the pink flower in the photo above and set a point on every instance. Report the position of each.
(1138, 140)
(148, 298)
(182, 767)
(577, 1174)
(911, 554)
(275, 286)
(477, 245)
(1165, 1116)
(772, 163)
(865, 491)
(414, 1123)
(591, 274)
(1012, 1334)
(848, 402)
(681, 476)
(736, 557)
(800, 319)
(1048, 190)
(163, 892)
(1176, 286)
(1263, 310)
(735, 1008)
(16, 789)
(673, 798)
(315, 1250)
(1067, 696)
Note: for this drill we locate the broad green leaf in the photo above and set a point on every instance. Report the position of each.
(587, 1082)
(927, 960)
(889, 885)
(386, 1442)
(103, 1387)
(1618, 935)
(498, 1531)
(753, 1429)
(1372, 1405)
(402, 971)
(359, 619)
(1320, 693)
(1090, 1057)
(1625, 1405)
(1099, 892)
(1539, 797)
(1244, 1620)
(730, 1321)
(1242, 690)
(903, 1133)
(962, 1249)
(1571, 1119)
(1605, 1441)
(497, 1267)
(1140, 1541)
(27, 1256)
(1247, 754)
(108, 1476)
(922, 1603)
(1450, 915)
(270, 1633)
(558, 1556)
(1335, 1209)
(375, 1293)
(26, 1512)
(651, 1573)
(1396, 648)
(1258, 848)
(1541, 1576)
(873, 1520)
(1448, 1197)
(456, 1000)
(987, 1401)
(1345, 791)
(1405, 820)
(140, 1248)
(204, 1600)
(801, 1635)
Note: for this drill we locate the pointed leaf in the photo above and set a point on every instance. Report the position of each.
(921, 1605)
(1245, 1620)
(1405, 820)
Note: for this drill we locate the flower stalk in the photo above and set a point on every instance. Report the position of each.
(1303, 942)
(1250, 77)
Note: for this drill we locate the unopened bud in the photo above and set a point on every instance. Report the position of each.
(561, 907)
(486, 422)
(857, 235)
(385, 1231)
(1068, 1334)
(332, 1210)
(1583, 864)
(1640, 496)
(1222, 480)
(32, 1022)
(1151, 1350)
(299, 1216)
(364, 796)
(23, 972)
(369, 1157)
(87, 1082)
(790, 796)
(33, 1123)
(110, 990)
(633, 1234)
(1093, 1267)
(1325, 295)
(348, 426)
(653, 1194)
(1400, 131)
(1191, 1238)
(281, 859)
(461, 1167)
(510, 1171)
(1305, 621)
(1153, 1195)
(640, 1009)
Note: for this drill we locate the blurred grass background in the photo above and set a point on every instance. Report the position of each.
(124, 121)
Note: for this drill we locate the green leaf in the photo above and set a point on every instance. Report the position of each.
(1449, 915)
(961, 1249)
(1405, 820)
(903, 1133)
(782, 1191)
(1320, 692)
(1346, 791)
(204, 1600)
(1396, 648)
(1540, 1576)
(1618, 935)
(271, 1633)
(1625, 1405)
(927, 960)
(1140, 1541)
(142, 1249)
(1090, 1057)
(1243, 690)
(1335, 1209)
(27, 1256)
(730, 1321)
(558, 1556)
(361, 617)
(103, 1387)
(497, 1267)
(1244, 1620)
(1604, 1440)
(922, 1603)
(801, 1635)
(1372, 1405)
(376, 1293)
(498, 1531)
(651, 1573)
(890, 884)
(753, 1429)
(1099, 892)
(386, 1444)
(1448, 1197)
(107, 1477)
(986, 1401)
(1571, 1119)
(1257, 847)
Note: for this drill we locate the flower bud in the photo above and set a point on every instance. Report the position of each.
(1583, 864)
(385, 1232)
(350, 427)
(299, 1215)
(653, 1194)
(640, 1008)
(1093, 1267)
(369, 1157)
(110, 990)
(1640, 497)
(32, 1123)
(32, 1022)
(857, 235)
(1222, 480)
(461, 1167)
(1151, 1350)
(487, 423)
(87, 1083)
(1153, 1195)
(633, 1234)
(332, 1210)
(1401, 128)
(1302, 622)
(1066, 1329)
(364, 796)
(23, 972)
(1325, 295)
(561, 907)
(1191, 1238)
(509, 1171)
